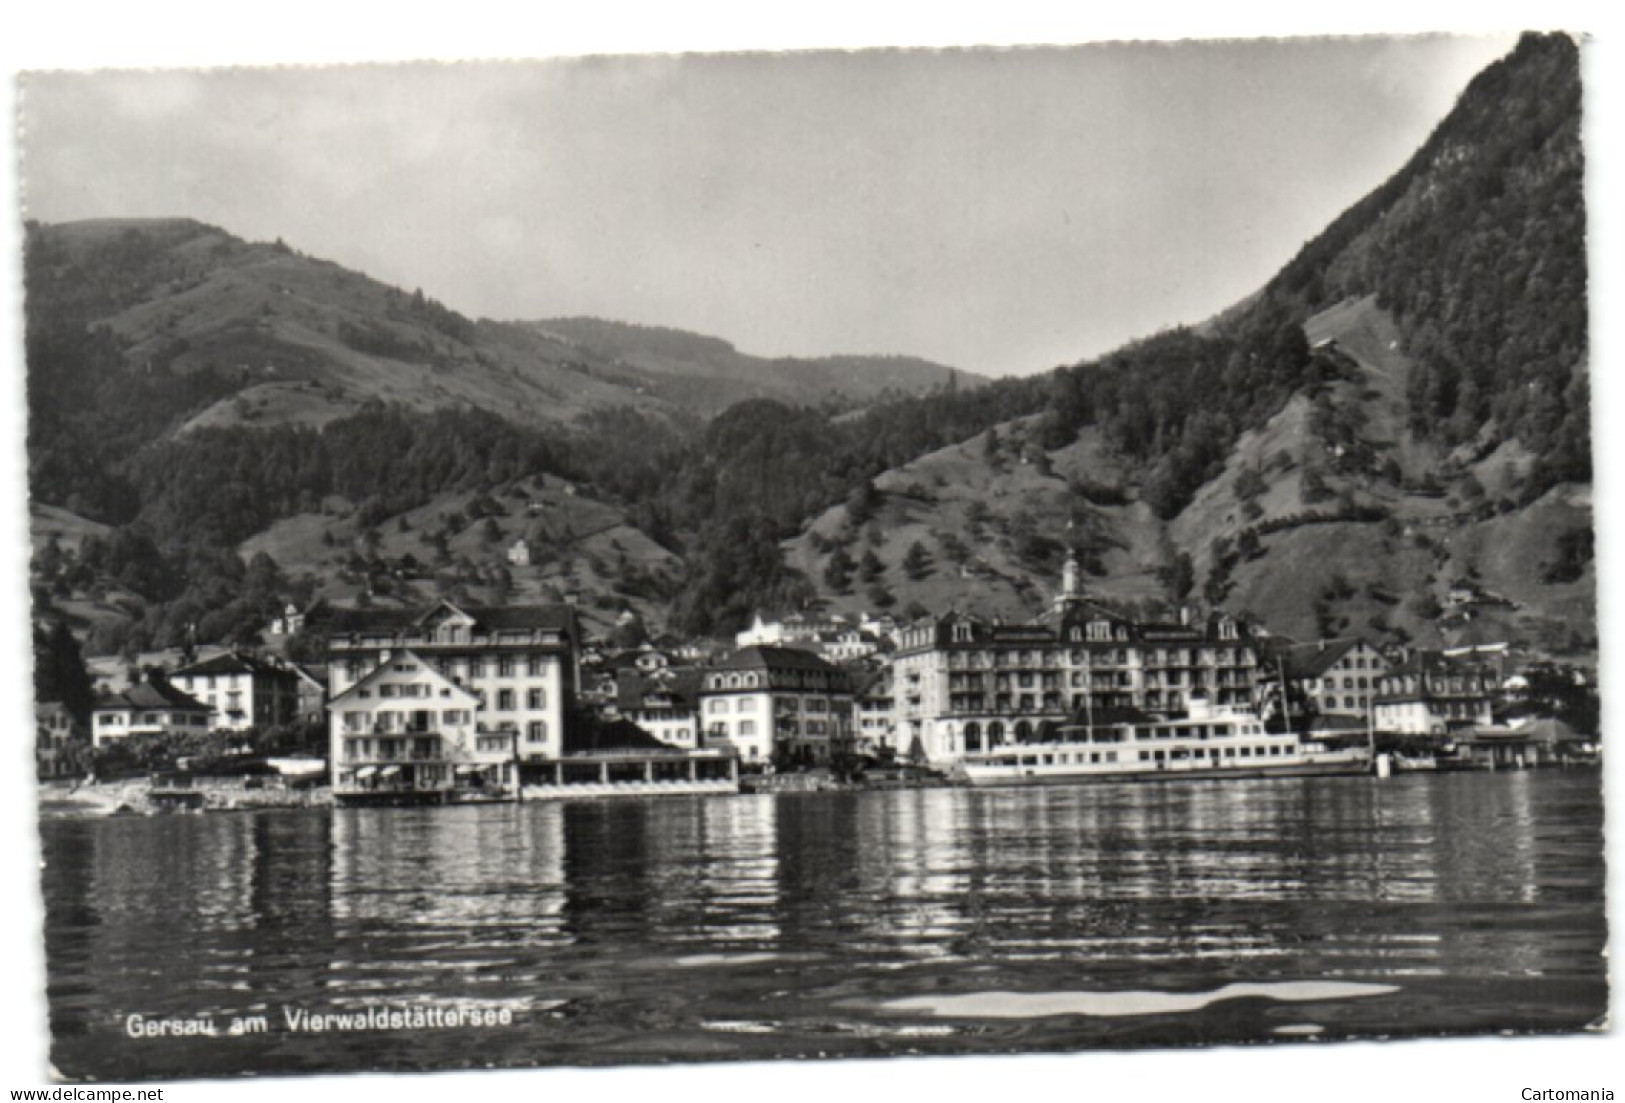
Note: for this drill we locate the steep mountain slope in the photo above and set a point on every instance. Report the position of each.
(1404, 407)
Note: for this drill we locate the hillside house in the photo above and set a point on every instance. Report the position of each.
(519, 553)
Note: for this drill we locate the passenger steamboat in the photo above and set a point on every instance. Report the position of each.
(1208, 743)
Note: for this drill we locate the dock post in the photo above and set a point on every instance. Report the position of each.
(648, 769)
(603, 772)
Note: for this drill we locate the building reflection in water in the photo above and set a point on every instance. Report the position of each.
(617, 908)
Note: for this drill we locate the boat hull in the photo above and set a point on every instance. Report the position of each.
(996, 776)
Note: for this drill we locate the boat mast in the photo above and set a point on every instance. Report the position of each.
(1089, 702)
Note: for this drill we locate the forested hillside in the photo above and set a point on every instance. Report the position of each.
(1404, 405)
(1410, 390)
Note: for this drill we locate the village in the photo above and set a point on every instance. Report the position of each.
(454, 703)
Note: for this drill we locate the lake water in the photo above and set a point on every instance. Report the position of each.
(928, 921)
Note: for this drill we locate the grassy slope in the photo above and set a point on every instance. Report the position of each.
(578, 544)
(1334, 577)
(932, 498)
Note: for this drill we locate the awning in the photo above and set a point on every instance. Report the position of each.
(297, 767)
(366, 771)
(389, 771)
(466, 770)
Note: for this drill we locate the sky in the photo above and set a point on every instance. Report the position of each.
(999, 210)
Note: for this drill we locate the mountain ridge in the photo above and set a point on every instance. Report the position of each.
(1409, 390)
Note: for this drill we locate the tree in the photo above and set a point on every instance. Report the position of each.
(838, 571)
(870, 567)
(1180, 576)
(1314, 487)
(1250, 484)
(60, 673)
(862, 503)
(917, 561)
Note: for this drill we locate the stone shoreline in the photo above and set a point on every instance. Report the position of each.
(139, 796)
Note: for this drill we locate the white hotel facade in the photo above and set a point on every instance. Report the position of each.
(456, 691)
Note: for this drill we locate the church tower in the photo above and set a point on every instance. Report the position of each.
(1071, 584)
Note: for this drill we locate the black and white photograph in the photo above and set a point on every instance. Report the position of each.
(1022, 552)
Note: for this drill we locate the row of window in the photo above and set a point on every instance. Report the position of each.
(506, 698)
(1122, 656)
(1408, 684)
(502, 666)
(148, 719)
(750, 679)
(206, 681)
(718, 705)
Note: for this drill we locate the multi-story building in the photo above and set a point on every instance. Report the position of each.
(962, 685)
(1339, 676)
(311, 693)
(663, 701)
(245, 692)
(153, 707)
(405, 730)
(764, 701)
(1430, 694)
(518, 663)
(54, 732)
(872, 698)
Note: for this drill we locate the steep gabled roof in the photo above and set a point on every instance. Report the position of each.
(681, 683)
(229, 662)
(382, 670)
(1311, 660)
(761, 657)
(489, 617)
(154, 693)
